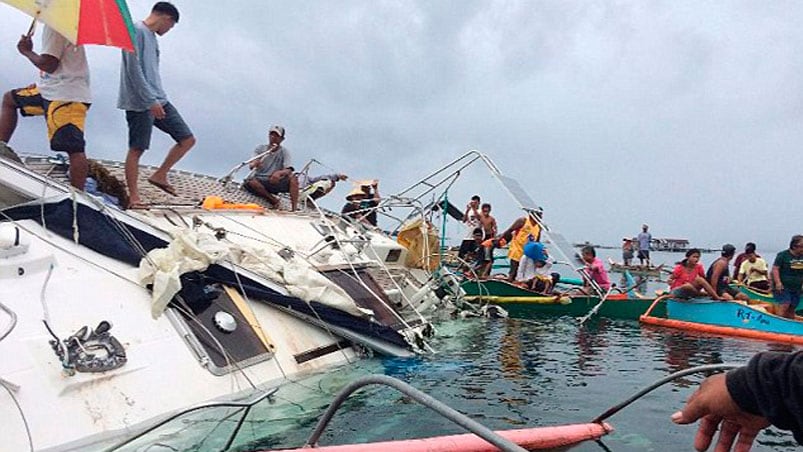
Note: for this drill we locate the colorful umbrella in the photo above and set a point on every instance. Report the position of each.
(104, 22)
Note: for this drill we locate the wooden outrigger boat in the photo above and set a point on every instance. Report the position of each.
(760, 295)
(522, 302)
(636, 270)
(728, 318)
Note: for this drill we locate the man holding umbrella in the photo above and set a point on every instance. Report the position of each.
(62, 96)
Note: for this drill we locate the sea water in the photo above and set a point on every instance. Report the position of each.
(507, 374)
(516, 373)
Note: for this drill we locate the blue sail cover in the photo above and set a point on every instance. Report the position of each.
(102, 234)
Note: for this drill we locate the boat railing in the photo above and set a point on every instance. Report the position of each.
(424, 399)
(245, 409)
(11, 324)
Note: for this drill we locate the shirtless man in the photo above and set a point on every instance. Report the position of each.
(487, 222)
(719, 277)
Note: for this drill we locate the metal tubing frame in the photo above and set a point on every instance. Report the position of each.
(420, 397)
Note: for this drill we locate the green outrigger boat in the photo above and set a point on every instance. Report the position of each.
(760, 295)
(520, 302)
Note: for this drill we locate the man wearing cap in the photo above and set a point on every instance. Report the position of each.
(644, 238)
(362, 204)
(273, 173)
(719, 277)
(146, 105)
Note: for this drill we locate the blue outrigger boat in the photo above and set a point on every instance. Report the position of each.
(728, 318)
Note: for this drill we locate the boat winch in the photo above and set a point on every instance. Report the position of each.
(90, 351)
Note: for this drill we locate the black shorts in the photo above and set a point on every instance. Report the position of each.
(283, 186)
(760, 285)
(643, 254)
(727, 290)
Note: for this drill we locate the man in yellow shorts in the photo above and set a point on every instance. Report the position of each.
(62, 96)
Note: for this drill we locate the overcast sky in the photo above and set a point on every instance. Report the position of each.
(684, 115)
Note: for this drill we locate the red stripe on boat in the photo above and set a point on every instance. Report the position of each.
(529, 438)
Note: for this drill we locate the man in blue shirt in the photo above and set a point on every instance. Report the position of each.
(644, 239)
(146, 105)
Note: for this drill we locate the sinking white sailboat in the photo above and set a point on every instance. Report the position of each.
(111, 319)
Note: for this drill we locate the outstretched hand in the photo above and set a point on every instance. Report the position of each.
(712, 403)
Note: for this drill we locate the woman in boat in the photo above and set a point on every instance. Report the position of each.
(595, 270)
(688, 278)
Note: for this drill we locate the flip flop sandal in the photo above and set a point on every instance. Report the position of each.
(167, 188)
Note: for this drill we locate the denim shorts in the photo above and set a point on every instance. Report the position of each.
(788, 297)
(141, 123)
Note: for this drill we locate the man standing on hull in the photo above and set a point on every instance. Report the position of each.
(62, 96)
(146, 105)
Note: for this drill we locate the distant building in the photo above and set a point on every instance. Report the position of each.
(667, 244)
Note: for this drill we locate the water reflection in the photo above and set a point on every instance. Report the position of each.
(513, 373)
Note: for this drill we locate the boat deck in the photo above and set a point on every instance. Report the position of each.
(191, 188)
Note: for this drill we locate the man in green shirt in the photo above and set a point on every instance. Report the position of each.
(787, 276)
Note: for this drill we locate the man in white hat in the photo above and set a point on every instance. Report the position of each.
(273, 173)
(644, 238)
(362, 204)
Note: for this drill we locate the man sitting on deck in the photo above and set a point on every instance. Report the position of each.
(273, 173)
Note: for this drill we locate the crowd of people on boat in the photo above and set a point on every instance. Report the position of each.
(784, 279)
(530, 265)
(63, 97)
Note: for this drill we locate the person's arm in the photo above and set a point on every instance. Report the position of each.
(769, 390)
(493, 226)
(741, 273)
(44, 62)
(465, 214)
(675, 275)
(255, 162)
(377, 198)
(516, 225)
(776, 278)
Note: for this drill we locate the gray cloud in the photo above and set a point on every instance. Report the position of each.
(681, 114)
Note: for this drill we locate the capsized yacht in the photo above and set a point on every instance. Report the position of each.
(111, 319)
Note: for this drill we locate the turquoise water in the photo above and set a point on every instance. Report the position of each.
(509, 373)
(506, 374)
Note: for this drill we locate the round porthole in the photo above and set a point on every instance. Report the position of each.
(225, 322)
